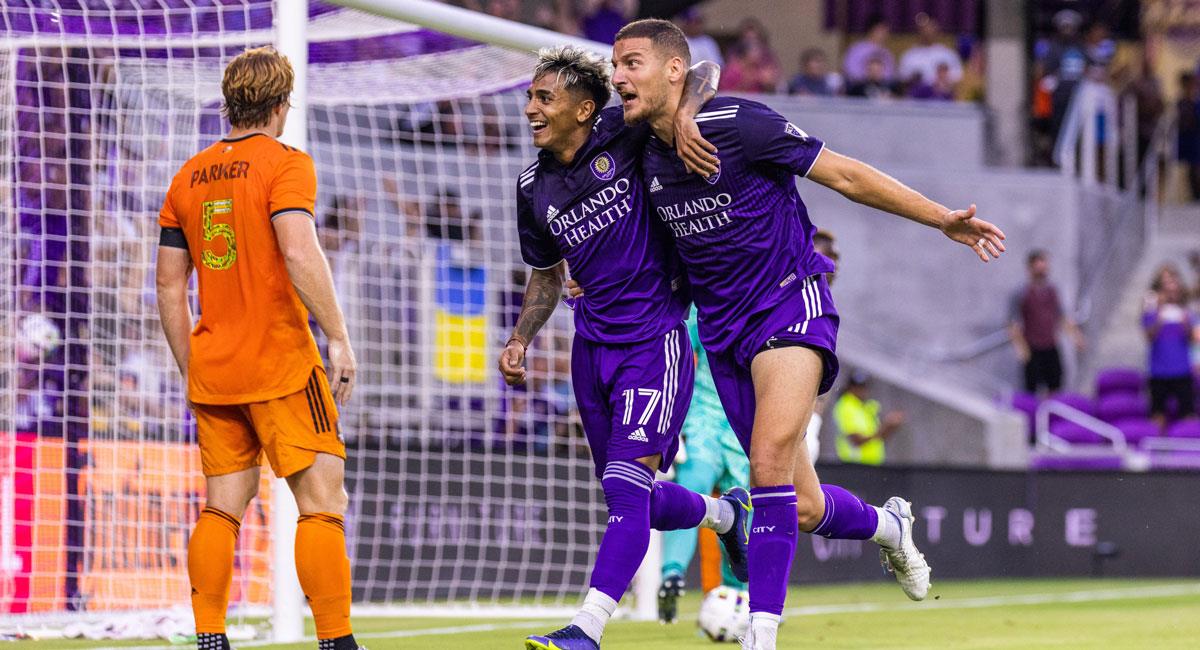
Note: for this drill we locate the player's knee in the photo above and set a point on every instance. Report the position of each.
(772, 463)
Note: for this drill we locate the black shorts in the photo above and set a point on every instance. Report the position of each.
(1165, 390)
(1043, 369)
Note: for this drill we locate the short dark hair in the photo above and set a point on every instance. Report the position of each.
(811, 54)
(664, 34)
(1035, 255)
(578, 70)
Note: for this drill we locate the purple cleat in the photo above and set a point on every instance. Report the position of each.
(570, 637)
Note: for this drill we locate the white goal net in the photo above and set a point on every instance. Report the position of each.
(464, 493)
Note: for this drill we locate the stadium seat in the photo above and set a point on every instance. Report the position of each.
(1116, 407)
(1184, 429)
(1119, 381)
(1076, 434)
(1076, 401)
(1137, 430)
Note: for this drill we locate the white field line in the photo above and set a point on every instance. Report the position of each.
(1088, 596)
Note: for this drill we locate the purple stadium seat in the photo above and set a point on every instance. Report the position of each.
(1055, 463)
(1119, 381)
(1076, 434)
(1185, 429)
(1026, 403)
(1135, 431)
(1076, 401)
(1122, 406)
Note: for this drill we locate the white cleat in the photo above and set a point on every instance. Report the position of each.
(906, 562)
(762, 639)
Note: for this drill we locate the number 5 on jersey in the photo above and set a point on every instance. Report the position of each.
(214, 230)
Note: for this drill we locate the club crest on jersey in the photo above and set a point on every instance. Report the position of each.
(603, 166)
(712, 179)
(794, 130)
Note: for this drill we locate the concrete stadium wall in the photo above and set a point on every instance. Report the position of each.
(931, 135)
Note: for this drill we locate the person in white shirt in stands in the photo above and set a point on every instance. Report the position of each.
(922, 60)
(704, 47)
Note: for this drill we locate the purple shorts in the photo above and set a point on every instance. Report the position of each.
(633, 398)
(809, 320)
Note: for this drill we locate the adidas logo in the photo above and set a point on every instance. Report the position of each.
(655, 185)
(551, 212)
(639, 435)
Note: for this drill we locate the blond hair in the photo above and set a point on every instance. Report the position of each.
(256, 82)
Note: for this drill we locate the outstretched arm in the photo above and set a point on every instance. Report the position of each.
(864, 184)
(698, 154)
(542, 294)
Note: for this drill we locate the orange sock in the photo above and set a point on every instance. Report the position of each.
(324, 572)
(210, 568)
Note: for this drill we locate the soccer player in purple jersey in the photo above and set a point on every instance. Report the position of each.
(583, 204)
(766, 315)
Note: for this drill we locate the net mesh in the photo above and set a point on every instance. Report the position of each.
(462, 491)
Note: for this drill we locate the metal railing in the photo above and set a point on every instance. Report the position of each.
(1047, 439)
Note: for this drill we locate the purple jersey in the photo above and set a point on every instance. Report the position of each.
(593, 213)
(744, 236)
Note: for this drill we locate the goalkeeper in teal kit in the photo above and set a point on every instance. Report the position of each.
(715, 460)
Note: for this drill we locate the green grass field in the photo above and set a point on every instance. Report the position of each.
(1023, 614)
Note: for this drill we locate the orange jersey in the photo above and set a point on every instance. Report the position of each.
(252, 342)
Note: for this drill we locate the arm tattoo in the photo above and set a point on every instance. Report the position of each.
(700, 85)
(541, 297)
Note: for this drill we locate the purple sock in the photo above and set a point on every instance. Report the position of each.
(846, 516)
(772, 546)
(674, 507)
(627, 493)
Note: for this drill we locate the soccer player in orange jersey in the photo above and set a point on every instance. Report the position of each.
(241, 214)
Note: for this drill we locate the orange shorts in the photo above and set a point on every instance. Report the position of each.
(291, 430)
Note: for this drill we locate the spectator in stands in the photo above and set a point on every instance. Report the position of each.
(448, 220)
(1194, 263)
(861, 433)
(1170, 330)
(1099, 45)
(703, 46)
(815, 77)
(1060, 66)
(556, 16)
(606, 18)
(1147, 94)
(1188, 110)
(876, 85)
(942, 88)
(1035, 319)
(921, 64)
(752, 67)
(874, 46)
(506, 9)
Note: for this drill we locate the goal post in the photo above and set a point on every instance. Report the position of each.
(467, 498)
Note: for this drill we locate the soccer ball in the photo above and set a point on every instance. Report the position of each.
(37, 336)
(725, 614)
